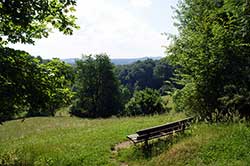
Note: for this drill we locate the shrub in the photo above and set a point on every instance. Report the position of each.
(145, 102)
(188, 100)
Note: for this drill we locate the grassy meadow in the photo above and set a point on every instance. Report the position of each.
(203, 144)
(75, 141)
(68, 140)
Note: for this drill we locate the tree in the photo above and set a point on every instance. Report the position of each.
(98, 92)
(58, 78)
(12, 77)
(212, 52)
(26, 20)
(145, 102)
(27, 86)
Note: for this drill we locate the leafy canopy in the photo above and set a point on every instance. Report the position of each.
(98, 93)
(212, 50)
(145, 74)
(27, 86)
(26, 20)
(31, 88)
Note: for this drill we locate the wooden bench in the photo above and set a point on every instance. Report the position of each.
(160, 131)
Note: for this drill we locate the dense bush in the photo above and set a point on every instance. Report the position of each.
(187, 100)
(145, 102)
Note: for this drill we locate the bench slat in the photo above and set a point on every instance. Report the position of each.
(141, 139)
(159, 131)
(148, 130)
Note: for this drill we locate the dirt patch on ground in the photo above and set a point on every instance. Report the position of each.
(122, 145)
(117, 147)
(124, 164)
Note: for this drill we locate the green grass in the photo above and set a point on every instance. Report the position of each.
(217, 144)
(68, 140)
(75, 141)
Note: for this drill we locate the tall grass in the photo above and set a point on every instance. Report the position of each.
(75, 141)
(207, 144)
(68, 140)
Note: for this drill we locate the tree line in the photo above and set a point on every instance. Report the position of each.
(31, 86)
(154, 74)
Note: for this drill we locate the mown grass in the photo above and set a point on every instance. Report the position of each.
(206, 144)
(68, 140)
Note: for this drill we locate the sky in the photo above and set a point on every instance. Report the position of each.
(119, 28)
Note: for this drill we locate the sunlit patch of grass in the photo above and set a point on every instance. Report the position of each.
(69, 140)
(216, 144)
(187, 149)
(231, 149)
(75, 141)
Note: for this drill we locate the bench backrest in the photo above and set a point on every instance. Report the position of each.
(166, 128)
(162, 130)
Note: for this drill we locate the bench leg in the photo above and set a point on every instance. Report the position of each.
(146, 149)
(183, 129)
(146, 144)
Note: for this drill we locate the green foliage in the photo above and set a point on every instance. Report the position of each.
(59, 78)
(146, 74)
(186, 99)
(26, 20)
(212, 50)
(125, 95)
(19, 77)
(28, 86)
(98, 93)
(145, 102)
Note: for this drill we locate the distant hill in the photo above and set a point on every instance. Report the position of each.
(117, 61)
(132, 60)
(70, 60)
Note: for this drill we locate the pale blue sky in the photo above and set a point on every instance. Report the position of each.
(120, 28)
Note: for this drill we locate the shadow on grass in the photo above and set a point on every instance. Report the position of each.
(154, 148)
